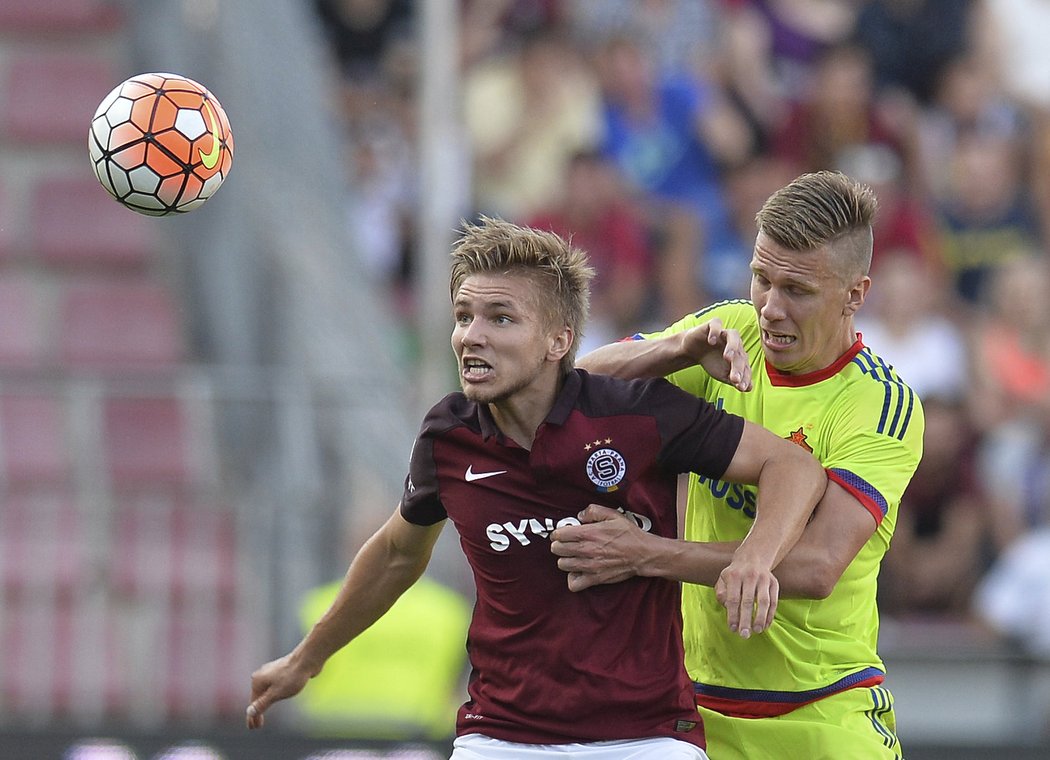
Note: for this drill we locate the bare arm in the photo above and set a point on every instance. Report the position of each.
(385, 567)
(793, 482)
(719, 351)
(609, 548)
(790, 483)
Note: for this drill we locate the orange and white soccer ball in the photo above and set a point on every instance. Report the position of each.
(160, 144)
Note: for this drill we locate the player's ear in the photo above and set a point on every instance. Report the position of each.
(560, 343)
(856, 295)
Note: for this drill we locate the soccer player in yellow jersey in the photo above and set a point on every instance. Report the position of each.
(811, 685)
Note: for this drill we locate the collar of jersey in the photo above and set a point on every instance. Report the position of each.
(559, 413)
(776, 377)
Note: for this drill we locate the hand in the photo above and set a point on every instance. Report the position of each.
(272, 682)
(602, 550)
(749, 591)
(720, 352)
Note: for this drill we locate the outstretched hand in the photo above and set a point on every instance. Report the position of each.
(604, 549)
(720, 352)
(274, 681)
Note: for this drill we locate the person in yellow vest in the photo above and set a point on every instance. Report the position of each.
(403, 678)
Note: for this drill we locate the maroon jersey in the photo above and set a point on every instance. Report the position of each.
(550, 666)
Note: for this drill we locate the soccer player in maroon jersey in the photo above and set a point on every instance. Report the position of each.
(528, 443)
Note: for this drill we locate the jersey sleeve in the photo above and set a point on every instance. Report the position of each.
(874, 460)
(695, 436)
(421, 501)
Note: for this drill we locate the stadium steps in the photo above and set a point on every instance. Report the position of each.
(119, 588)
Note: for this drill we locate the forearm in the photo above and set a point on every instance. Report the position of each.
(380, 573)
(686, 561)
(788, 492)
(638, 358)
(702, 563)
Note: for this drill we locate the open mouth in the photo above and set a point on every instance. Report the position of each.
(476, 369)
(778, 340)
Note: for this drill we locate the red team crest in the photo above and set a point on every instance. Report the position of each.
(799, 437)
(606, 468)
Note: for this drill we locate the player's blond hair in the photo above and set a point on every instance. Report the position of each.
(823, 208)
(561, 270)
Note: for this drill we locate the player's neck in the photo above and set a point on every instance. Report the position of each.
(520, 415)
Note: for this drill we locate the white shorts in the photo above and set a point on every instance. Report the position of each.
(481, 747)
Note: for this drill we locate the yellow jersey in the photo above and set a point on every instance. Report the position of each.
(865, 425)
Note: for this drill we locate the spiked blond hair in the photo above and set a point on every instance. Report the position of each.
(560, 269)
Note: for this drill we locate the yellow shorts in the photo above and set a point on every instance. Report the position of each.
(856, 724)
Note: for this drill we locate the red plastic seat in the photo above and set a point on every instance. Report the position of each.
(168, 547)
(173, 559)
(39, 653)
(75, 222)
(201, 649)
(43, 548)
(51, 16)
(119, 324)
(145, 441)
(51, 97)
(22, 343)
(33, 437)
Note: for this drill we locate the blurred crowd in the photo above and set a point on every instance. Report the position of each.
(652, 130)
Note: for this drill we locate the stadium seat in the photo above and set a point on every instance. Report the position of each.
(22, 342)
(201, 664)
(51, 16)
(145, 442)
(50, 97)
(76, 223)
(168, 547)
(43, 547)
(119, 324)
(33, 440)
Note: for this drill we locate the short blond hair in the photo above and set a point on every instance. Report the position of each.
(561, 270)
(823, 208)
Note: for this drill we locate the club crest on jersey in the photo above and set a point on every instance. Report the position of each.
(798, 437)
(606, 468)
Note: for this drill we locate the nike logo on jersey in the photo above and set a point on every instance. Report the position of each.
(471, 476)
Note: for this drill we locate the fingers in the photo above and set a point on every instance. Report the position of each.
(772, 598)
(581, 581)
(736, 357)
(562, 537)
(254, 714)
(597, 513)
(736, 369)
(750, 604)
(269, 684)
(738, 611)
(715, 332)
(765, 605)
(740, 369)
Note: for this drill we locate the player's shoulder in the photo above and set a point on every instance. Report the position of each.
(737, 309)
(735, 314)
(870, 373)
(454, 410)
(875, 389)
(605, 395)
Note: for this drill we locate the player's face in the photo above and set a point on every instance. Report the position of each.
(805, 310)
(501, 340)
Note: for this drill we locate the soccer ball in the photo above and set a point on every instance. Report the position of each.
(160, 144)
